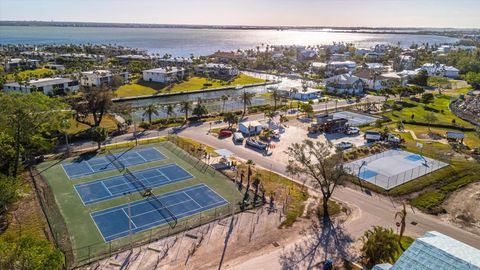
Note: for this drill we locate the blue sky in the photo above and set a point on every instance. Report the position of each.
(394, 13)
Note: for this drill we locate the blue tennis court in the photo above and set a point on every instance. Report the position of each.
(113, 222)
(414, 157)
(367, 174)
(133, 157)
(115, 186)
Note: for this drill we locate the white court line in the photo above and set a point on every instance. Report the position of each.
(192, 199)
(129, 218)
(103, 184)
(143, 201)
(90, 167)
(97, 227)
(140, 155)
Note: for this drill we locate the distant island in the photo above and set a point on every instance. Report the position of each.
(451, 32)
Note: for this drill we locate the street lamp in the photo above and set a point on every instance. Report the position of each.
(129, 219)
(65, 132)
(358, 175)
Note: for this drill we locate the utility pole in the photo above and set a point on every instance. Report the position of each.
(129, 220)
(65, 131)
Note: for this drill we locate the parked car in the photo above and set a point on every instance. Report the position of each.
(352, 131)
(224, 133)
(256, 144)
(276, 135)
(238, 137)
(344, 145)
(372, 136)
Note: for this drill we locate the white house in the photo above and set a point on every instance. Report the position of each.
(216, 70)
(318, 66)
(99, 77)
(49, 86)
(406, 62)
(380, 80)
(163, 75)
(22, 64)
(344, 83)
(251, 127)
(300, 94)
(440, 70)
(333, 66)
(38, 55)
(362, 51)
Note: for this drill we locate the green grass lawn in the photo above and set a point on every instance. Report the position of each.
(84, 235)
(142, 88)
(39, 73)
(108, 122)
(419, 110)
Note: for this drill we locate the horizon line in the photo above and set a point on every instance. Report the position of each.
(240, 26)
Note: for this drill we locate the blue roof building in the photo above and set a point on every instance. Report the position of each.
(436, 251)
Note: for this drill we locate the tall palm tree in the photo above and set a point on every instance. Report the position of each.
(224, 100)
(150, 110)
(169, 110)
(276, 97)
(185, 106)
(270, 115)
(247, 100)
(402, 214)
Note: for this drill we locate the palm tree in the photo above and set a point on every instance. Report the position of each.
(402, 214)
(185, 106)
(276, 97)
(169, 110)
(379, 246)
(150, 110)
(247, 100)
(270, 115)
(224, 99)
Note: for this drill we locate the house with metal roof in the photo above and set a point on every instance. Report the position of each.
(436, 251)
(344, 83)
(49, 86)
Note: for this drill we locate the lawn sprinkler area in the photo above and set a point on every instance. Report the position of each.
(393, 168)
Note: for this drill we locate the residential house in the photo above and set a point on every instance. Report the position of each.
(49, 86)
(307, 54)
(21, 64)
(277, 56)
(378, 67)
(82, 56)
(344, 83)
(335, 67)
(226, 57)
(216, 70)
(318, 66)
(406, 62)
(127, 58)
(163, 75)
(376, 81)
(55, 67)
(301, 94)
(362, 51)
(339, 56)
(372, 56)
(100, 77)
(37, 55)
(440, 70)
(436, 251)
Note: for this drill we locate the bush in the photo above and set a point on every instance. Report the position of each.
(427, 98)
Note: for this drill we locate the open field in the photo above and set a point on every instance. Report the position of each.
(35, 73)
(86, 240)
(142, 88)
(419, 110)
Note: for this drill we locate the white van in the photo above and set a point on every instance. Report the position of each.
(238, 137)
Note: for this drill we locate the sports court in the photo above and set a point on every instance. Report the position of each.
(75, 169)
(393, 168)
(355, 119)
(113, 222)
(115, 186)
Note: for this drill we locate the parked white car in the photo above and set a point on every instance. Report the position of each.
(344, 145)
(352, 131)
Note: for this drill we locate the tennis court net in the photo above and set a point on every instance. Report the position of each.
(163, 210)
(139, 185)
(115, 161)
